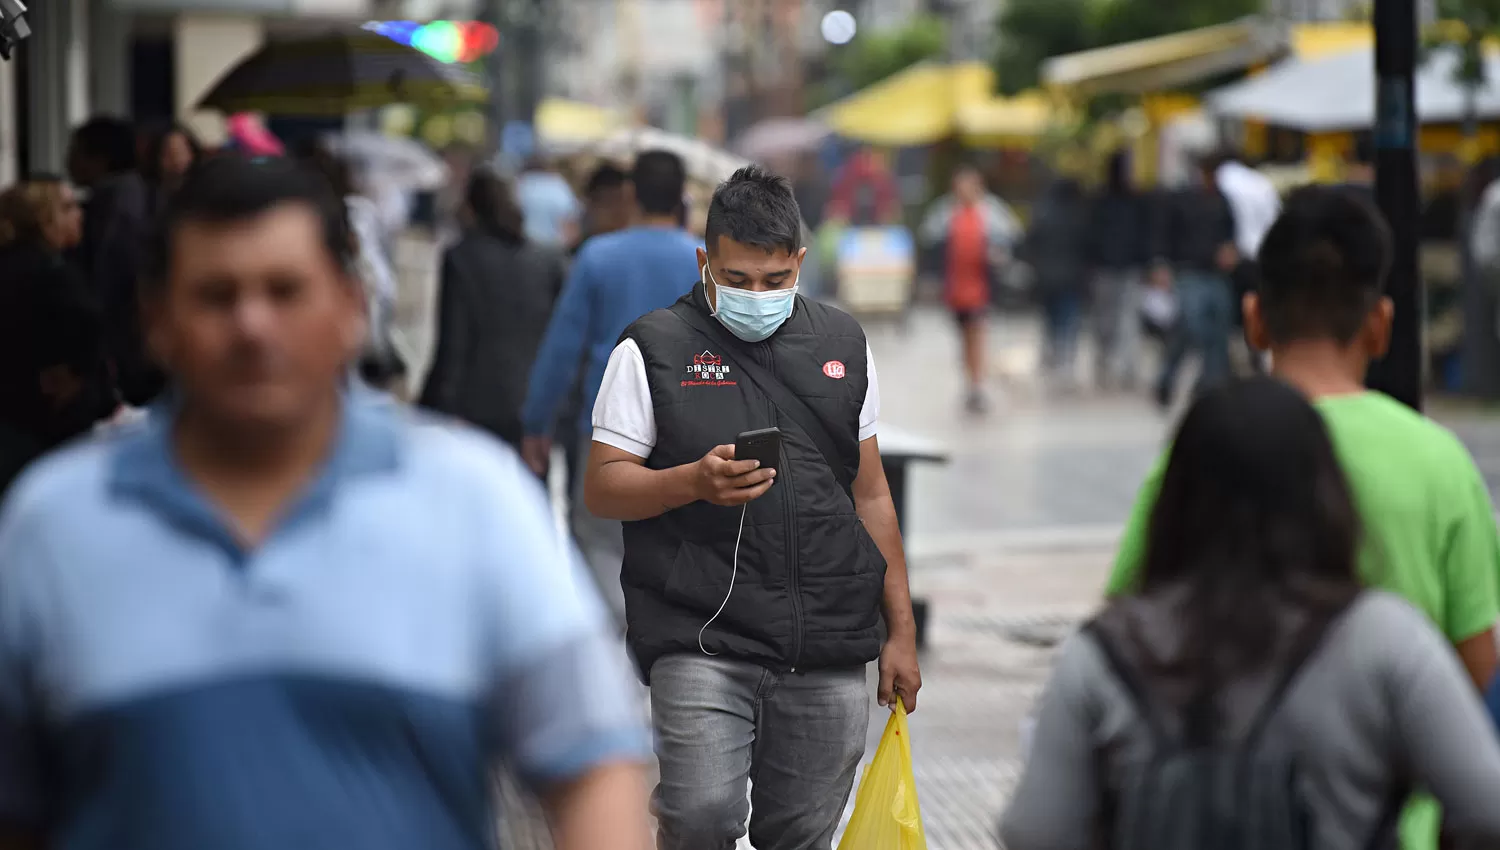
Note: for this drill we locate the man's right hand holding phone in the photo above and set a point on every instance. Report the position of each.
(725, 481)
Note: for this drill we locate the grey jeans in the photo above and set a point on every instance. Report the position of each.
(797, 738)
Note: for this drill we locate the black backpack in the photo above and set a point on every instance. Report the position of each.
(1197, 792)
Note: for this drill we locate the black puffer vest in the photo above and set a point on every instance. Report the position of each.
(808, 587)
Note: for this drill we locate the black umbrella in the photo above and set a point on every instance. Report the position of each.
(336, 74)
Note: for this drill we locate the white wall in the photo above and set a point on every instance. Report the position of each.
(206, 47)
(77, 63)
(8, 138)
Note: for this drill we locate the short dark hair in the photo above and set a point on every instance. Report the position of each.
(755, 207)
(110, 140)
(605, 177)
(319, 156)
(234, 188)
(660, 179)
(1323, 265)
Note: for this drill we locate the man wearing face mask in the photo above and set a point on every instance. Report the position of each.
(754, 596)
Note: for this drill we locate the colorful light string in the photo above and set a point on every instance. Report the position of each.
(445, 41)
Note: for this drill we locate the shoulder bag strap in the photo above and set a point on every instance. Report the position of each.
(783, 398)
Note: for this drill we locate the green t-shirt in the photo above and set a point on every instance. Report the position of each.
(1429, 528)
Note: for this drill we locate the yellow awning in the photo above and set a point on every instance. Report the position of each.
(1006, 121)
(562, 121)
(917, 106)
(1161, 64)
(1314, 41)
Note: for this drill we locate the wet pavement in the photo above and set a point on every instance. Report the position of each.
(1010, 542)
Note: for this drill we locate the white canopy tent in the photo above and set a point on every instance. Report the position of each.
(1337, 93)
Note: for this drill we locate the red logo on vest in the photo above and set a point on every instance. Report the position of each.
(834, 369)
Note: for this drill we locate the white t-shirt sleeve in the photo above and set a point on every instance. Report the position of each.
(623, 414)
(625, 418)
(869, 414)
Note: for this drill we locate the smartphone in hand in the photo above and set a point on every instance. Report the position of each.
(763, 445)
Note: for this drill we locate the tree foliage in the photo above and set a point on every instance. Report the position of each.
(1464, 24)
(872, 57)
(1032, 31)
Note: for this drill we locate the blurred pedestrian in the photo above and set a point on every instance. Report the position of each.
(609, 207)
(975, 231)
(54, 370)
(171, 151)
(497, 292)
(1119, 238)
(754, 595)
(615, 279)
(281, 612)
(607, 203)
(117, 218)
(1249, 655)
(381, 364)
(1255, 203)
(552, 211)
(1429, 529)
(1195, 256)
(1057, 249)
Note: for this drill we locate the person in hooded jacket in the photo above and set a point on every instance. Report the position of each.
(496, 297)
(54, 373)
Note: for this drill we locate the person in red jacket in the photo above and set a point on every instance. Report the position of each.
(975, 229)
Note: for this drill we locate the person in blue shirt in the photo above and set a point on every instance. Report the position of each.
(551, 209)
(283, 611)
(616, 278)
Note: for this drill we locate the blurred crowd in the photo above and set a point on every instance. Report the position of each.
(272, 605)
(1118, 263)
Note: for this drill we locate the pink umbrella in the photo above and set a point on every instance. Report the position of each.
(775, 137)
(251, 135)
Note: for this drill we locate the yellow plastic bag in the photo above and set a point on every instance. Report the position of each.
(886, 815)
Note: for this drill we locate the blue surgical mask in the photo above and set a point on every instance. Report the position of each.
(751, 316)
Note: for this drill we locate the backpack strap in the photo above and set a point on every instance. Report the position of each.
(1308, 642)
(1128, 678)
(1386, 833)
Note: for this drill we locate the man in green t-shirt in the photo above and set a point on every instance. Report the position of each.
(1429, 527)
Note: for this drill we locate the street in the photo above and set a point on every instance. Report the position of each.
(1010, 543)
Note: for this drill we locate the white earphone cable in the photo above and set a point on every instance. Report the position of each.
(733, 574)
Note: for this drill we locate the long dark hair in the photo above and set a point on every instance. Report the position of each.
(156, 143)
(493, 203)
(1254, 518)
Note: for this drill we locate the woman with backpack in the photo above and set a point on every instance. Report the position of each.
(1251, 694)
